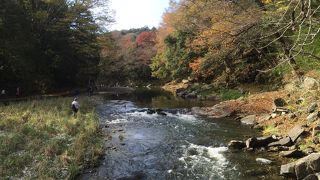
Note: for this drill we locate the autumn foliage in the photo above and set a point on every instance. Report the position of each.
(211, 40)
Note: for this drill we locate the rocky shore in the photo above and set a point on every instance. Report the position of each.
(288, 118)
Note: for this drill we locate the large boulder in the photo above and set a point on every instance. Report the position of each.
(286, 141)
(302, 167)
(249, 120)
(310, 83)
(292, 154)
(288, 170)
(216, 111)
(295, 132)
(259, 142)
(312, 177)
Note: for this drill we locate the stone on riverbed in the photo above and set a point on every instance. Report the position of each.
(249, 120)
(234, 144)
(150, 111)
(263, 161)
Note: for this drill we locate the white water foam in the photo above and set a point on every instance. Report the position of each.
(142, 114)
(212, 158)
(118, 121)
(185, 117)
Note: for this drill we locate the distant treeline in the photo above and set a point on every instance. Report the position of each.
(56, 44)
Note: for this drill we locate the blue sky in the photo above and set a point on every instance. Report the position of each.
(137, 13)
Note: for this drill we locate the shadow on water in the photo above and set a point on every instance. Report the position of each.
(157, 98)
(174, 145)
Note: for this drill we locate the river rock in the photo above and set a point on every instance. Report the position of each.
(310, 83)
(160, 112)
(278, 148)
(259, 142)
(316, 130)
(295, 133)
(313, 116)
(233, 144)
(216, 111)
(302, 167)
(313, 106)
(249, 120)
(307, 165)
(263, 161)
(191, 95)
(281, 110)
(279, 102)
(150, 111)
(286, 141)
(288, 170)
(198, 110)
(312, 177)
(292, 154)
(308, 150)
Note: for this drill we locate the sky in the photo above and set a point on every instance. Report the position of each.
(137, 13)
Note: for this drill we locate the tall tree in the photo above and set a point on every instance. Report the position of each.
(48, 44)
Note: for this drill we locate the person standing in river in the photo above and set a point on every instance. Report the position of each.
(18, 92)
(3, 97)
(75, 106)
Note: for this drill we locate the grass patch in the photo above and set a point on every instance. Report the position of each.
(41, 139)
(270, 130)
(223, 93)
(306, 144)
(228, 94)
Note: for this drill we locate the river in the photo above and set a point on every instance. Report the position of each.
(173, 145)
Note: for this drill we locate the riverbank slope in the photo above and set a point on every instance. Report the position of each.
(41, 139)
(289, 114)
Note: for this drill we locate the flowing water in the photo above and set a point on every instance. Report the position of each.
(177, 145)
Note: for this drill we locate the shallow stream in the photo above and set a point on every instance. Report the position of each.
(177, 145)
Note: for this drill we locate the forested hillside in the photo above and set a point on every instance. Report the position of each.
(126, 56)
(232, 42)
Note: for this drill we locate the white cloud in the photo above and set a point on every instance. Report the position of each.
(137, 13)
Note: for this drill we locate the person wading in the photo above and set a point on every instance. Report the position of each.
(75, 106)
